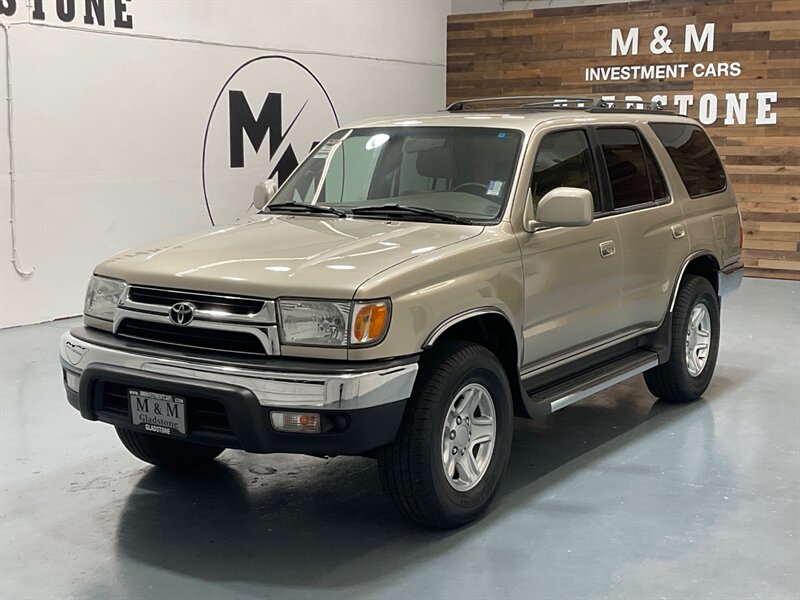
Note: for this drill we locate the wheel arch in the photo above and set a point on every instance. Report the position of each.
(490, 327)
(702, 263)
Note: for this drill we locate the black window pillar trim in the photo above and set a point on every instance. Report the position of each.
(647, 150)
(601, 168)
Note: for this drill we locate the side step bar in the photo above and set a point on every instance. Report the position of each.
(583, 385)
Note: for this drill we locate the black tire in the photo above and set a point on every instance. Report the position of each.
(411, 468)
(167, 453)
(672, 381)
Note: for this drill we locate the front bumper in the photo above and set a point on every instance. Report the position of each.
(360, 405)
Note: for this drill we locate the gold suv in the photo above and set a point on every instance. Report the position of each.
(413, 285)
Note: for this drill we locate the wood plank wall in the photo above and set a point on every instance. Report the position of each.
(547, 52)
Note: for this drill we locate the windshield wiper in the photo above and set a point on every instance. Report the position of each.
(294, 206)
(395, 209)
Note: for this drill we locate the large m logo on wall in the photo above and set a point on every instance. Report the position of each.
(243, 123)
(268, 115)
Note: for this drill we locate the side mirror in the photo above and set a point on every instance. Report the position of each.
(564, 207)
(264, 192)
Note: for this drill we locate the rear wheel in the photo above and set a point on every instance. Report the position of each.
(445, 465)
(695, 343)
(165, 452)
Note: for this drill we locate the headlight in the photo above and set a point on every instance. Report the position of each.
(102, 297)
(321, 323)
(313, 323)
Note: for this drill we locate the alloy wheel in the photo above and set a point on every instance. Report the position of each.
(468, 437)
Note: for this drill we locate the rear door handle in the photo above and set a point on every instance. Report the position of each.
(678, 231)
(607, 248)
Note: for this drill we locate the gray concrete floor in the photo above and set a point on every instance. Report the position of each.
(615, 497)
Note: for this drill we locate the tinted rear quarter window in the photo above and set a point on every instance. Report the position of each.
(694, 157)
(656, 179)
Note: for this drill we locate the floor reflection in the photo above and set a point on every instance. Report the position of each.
(325, 523)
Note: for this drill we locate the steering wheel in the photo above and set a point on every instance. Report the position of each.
(472, 183)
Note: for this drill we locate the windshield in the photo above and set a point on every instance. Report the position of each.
(458, 171)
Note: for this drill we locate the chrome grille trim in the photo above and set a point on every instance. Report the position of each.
(267, 314)
(261, 324)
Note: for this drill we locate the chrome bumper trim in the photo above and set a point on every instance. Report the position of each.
(344, 391)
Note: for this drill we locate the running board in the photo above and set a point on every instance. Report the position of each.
(582, 386)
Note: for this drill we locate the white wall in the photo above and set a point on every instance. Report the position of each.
(109, 123)
(480, 6)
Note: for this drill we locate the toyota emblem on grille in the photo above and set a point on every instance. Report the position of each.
(182, 313)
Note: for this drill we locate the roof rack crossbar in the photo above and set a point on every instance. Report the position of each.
(634, 106)
(644, 104)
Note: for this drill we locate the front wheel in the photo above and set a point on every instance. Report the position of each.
(695, 342)
(445, 465)
(165, 452)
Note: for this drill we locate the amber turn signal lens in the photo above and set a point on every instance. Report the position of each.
(369, 322)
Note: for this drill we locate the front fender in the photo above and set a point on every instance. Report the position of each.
(483, 274)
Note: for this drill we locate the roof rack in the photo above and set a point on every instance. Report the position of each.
(528, 102)
(559, 103)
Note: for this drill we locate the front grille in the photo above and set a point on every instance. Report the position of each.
(195, 338)
(228, 304)
(203, 415)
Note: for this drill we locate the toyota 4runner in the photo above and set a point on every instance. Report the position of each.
(413, 285)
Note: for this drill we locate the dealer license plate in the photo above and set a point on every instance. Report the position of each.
(158, 413)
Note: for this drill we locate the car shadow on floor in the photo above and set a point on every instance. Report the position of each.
(315, 523)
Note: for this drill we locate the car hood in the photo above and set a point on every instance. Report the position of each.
(283, 255)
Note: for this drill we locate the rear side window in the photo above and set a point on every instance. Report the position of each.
(694, 156)
(632, 170)
(656, 179)
(564, 160)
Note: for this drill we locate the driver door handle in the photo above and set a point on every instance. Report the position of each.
(607, 248)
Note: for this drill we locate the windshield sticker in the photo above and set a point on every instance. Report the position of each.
(501, 135)
(325, 149)
(494, 187)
